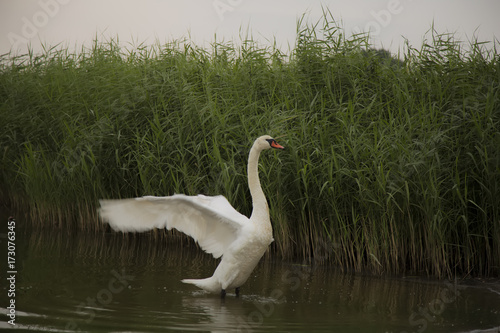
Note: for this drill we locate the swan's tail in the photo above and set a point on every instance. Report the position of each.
(208, 284)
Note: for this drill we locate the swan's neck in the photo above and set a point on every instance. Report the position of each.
(260, 210)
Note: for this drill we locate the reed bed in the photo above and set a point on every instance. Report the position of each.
(392, 164)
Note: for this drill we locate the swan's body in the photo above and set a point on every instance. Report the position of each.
(217, 227)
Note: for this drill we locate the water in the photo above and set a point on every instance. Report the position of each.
(110, 283)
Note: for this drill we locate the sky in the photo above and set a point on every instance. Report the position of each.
(74, 23)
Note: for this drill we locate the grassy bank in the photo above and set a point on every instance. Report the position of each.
(393, 165)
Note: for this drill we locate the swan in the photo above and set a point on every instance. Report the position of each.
(211, 221)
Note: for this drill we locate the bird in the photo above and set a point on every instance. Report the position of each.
(211, 221)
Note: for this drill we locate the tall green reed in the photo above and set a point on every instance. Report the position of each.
(393, 162)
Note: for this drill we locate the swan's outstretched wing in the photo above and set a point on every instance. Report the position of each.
(211, 221)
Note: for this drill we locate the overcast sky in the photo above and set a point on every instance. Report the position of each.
(76, 22)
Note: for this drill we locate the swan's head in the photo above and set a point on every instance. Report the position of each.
(267, 142)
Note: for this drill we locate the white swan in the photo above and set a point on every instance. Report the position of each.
(217, 227)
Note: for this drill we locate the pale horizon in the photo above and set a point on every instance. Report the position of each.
(73, 23)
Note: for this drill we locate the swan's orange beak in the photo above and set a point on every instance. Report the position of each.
(276, 145)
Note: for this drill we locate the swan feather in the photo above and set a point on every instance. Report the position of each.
(210, 221)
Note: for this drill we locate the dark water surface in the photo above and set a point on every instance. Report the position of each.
(111, 283)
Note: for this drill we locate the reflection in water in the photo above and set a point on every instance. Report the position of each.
(114, 282)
